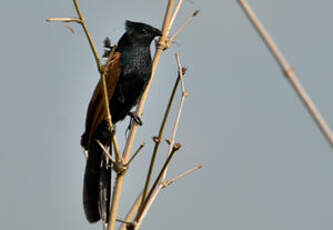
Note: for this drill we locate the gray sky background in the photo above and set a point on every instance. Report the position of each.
(266, 164)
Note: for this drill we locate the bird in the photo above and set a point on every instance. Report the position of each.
(127, 76)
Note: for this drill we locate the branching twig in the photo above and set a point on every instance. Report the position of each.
(184, 95)
(136, 153)
(158, 184)
(82, 22)
(288, 71)
(175, 148)
(135, 207)
(180, 29)
(91, 43)
(175, 12)
(153, 197)
(157, 139)
(131, 214)
(106, 152)
(169, 182)
(106, 103)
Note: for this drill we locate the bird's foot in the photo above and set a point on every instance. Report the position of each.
(135, 118)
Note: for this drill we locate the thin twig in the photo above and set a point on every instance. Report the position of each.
(64, 20)
(288, 71)
(158, 139)
(100, 69)
(171, 181)
(136, 153)
(85, 28)
(131, 214)
(149, 203)
(81, 20)
(157, 186)
(123, 221)
(184, 95)
(180, 29)
(175, 12)
(161, 186)
(106, 152)
(157, 180)
(158, 53)
(106, 103)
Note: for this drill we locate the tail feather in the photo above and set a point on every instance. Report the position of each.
(97, 185)
(105, 189)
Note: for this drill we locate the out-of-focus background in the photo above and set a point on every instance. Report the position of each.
(266, 164)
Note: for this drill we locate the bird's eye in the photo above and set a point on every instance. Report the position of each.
(143, 30)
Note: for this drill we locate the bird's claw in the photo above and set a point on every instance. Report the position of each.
(135, 118)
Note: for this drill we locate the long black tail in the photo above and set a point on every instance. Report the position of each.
(97, 185)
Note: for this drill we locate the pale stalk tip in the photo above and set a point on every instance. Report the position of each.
(177, 146)
(196, 13)
(184, 70)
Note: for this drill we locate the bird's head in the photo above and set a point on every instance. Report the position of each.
(141, 33)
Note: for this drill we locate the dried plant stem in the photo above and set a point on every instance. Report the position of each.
(100, 69)
(157, 181)
(161, 186)
(82, 22)
(158, 53)
(136, 153)
(91, 43)
(132, 134)
(160, 180)
(288, 71)
(159, 138)
(175, 12)
(64, 20)
(123, 221)
(107, 106)
(136, 205)
(106, 152)
(184, 95)
(119, 160)
(140, 199)
(173, 180)
(131, 214)
(180, 29)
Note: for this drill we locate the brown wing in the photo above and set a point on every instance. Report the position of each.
(96, 110)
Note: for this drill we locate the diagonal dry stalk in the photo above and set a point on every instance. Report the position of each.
(173, 147)
(132, 134)
(288, 71)
(82, 22)
(185, 94)
(158, 139)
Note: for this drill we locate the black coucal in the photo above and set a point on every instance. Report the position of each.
(127, 77)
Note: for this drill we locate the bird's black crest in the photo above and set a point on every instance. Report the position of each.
(141, 31)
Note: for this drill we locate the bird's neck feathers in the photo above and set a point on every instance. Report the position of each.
(134, 56)
(126, 42)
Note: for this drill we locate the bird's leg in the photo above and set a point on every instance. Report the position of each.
(135, 118)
